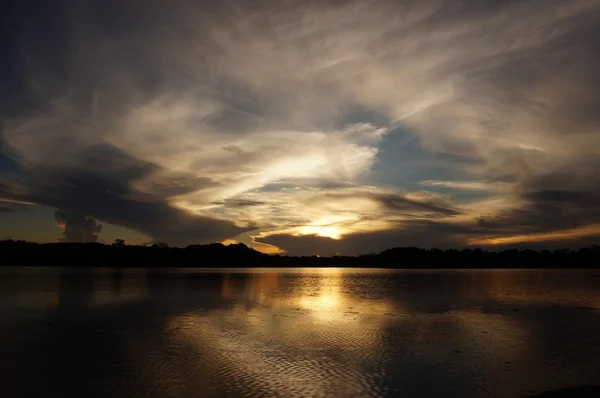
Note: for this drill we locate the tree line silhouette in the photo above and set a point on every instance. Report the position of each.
(22, 253)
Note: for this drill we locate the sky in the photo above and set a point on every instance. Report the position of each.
(301, 126)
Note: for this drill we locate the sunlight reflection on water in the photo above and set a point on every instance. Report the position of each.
(299, 333)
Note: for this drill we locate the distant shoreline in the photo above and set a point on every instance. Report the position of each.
(217, 255)
(241, 269)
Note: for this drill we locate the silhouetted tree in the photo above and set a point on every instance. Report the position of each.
(14, 253)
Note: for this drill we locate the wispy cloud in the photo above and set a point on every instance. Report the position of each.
(216, 119)
(487, 186)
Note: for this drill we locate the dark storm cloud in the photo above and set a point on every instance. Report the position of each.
(77, 227)
(10, 206)
(552, 201)
(107, 195)
(104, 200)
(168, 184)
(66, 57)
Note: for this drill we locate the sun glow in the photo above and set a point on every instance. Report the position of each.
(326, 226)
(326, 231)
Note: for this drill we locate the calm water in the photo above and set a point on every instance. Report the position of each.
(297, 333)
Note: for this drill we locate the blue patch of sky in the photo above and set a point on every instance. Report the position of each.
(7, 165)
(276, 187)
(401, 161)
(404, 163)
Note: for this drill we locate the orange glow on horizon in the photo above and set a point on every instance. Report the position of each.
(566, 234)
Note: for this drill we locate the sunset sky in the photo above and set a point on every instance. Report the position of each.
(302, 126)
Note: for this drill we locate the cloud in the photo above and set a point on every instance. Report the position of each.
(9, 206)
(419, 233)
(109, 194)
(571, 237)
(201, 121)
(239, 203)
(77, 227)
(489, 186)
(552, 201)
(334, 212)
(418, 202)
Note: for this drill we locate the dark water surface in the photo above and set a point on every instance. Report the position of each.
(297, 333)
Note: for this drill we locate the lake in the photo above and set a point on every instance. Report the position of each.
(297, 332)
